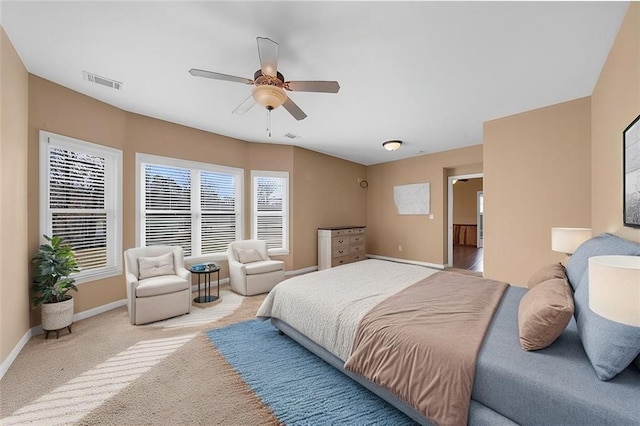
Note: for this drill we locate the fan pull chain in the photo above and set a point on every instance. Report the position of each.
(269, 120)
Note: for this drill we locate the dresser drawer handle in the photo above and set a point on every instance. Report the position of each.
(342, 261)
(340, 251)
(340, 241)
(357, 248)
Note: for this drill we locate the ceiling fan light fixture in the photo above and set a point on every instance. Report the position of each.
(392, 145)
(270, 97)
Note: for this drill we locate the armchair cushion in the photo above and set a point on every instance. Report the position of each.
(265, 266)
(155, 266)
(248, 255)
(161, 285)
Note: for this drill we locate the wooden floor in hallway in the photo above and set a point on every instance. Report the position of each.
(468, 257)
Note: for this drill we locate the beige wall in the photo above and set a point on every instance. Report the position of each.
(273, 158)
(14, 253)
(465, 201)
(614, 104)
(422, 239)
(62, 111)
(151, 136)
(537, 175)
(326, 192)
(323, 190)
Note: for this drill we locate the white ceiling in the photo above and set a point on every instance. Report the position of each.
(428, 73)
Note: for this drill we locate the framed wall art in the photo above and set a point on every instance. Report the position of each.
(631, 174)
(412, 199)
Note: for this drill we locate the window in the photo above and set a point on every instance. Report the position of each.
(81, 202)
(193, 205)
(270, 209)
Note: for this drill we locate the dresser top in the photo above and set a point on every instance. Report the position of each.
(335, 228)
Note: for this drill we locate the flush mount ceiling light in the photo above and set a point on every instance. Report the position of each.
(391, 145)
(270, 97)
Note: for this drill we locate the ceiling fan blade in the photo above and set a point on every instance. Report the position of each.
(217, 76)
(268, 52)
(312, 86)
(294, 109)
(245, 106)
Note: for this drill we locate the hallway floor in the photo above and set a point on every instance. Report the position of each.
(468, 257)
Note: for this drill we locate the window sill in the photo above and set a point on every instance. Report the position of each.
(208, 258)
(95, 276)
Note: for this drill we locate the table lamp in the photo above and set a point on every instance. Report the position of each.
(614, 288)
(567, 240)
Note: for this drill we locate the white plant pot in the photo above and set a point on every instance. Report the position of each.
(56, 316)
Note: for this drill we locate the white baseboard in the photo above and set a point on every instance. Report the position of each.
(301, 271)
(98, 310)
(412, 262)
(223, 281)
(34, 331)
(6, 363)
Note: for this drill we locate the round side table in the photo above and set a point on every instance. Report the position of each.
(205, 276)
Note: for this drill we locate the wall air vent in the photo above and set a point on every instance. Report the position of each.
(291, 136)
(103, 81)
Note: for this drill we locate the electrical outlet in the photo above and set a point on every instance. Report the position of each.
(399, 248)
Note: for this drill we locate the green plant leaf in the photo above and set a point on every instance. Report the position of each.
(55, 261)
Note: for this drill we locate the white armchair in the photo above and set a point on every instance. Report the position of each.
(251, 271)
(158, 285)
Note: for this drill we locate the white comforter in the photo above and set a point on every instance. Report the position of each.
(327, 306)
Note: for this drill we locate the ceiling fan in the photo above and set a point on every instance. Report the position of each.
(270, 85)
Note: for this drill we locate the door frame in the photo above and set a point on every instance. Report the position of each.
(480, 219)
(450, 180)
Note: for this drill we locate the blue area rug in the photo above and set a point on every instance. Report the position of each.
(298, 386)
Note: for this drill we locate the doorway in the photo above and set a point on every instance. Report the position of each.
(465, 222)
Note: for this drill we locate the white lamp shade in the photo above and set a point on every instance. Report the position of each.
(614, 288)
(567, 240)
(269, 96)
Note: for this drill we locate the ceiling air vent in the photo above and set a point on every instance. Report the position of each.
(103, 81)
(291, 136)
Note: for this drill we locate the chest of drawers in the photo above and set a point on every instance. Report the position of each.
(340, 245)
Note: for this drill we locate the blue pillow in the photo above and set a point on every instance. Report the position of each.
(600, 245)
(610, 346)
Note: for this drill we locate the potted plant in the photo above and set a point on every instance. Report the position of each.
(55, 261)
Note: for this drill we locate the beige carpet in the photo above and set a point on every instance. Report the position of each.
(109, 372)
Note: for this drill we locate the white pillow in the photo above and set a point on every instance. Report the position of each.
(248, 256)
(155, 266)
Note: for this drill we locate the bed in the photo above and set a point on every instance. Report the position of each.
(324, 312)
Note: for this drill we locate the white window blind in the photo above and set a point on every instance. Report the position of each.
(193, 205)
(80, 202)
(168, 206)
(270, 209)
(218, 207)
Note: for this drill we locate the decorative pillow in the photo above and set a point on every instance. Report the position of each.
(610, 346)
(155, 266)
(600, 245)
(248, 255)
(547, 273)
(544, 312)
